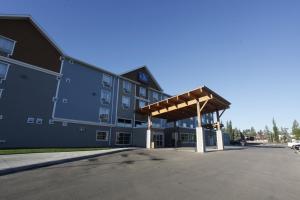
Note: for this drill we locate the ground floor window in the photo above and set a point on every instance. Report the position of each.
(101, 135)
(124, 122)
(187, 137)
(123, 138)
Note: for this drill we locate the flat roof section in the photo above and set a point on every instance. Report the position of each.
(184, 106)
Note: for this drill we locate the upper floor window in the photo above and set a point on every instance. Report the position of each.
(155, 96)
(126, 87)
(7, 45)
(105, 97)
(142, 92)
(104, 114)
(126, 102)
(107, 80)
(3, 70)
(142, 103)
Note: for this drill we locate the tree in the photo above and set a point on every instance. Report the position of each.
(297, 134)
(229, 129)
(252, 132)
(285, 134)
(295, 127)
(268, 133)
(275, 131)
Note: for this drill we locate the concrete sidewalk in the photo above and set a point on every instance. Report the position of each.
(20, 162)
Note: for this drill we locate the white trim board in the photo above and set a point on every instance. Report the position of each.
(22, 64)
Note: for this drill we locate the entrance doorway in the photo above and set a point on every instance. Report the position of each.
(158, 140)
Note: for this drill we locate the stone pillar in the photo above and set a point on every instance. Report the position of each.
(148, 139)
(219, 134)
(148, 133)
(200, 140)
(200, 137)
(220, 143)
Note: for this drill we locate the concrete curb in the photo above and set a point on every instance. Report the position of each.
(11, 170)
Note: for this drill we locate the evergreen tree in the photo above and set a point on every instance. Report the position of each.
(275, 131)
(295, 127)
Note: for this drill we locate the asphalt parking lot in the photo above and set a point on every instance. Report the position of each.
(266, 172)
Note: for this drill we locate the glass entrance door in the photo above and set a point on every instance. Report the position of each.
(158, 139)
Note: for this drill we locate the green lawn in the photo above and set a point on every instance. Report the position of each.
(44, 150)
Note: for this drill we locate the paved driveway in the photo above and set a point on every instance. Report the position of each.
(253, 173)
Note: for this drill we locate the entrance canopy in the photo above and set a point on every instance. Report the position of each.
(184, 106)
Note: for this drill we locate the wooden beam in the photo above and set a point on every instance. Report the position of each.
(181, 105)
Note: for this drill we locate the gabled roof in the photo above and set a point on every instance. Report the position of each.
(148, 72)
(36, 25)
(184, 105)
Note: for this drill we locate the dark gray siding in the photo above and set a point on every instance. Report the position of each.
(81, 86)
(28, 93)
(121, 112)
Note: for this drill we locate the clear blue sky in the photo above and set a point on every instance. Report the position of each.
(247, 51)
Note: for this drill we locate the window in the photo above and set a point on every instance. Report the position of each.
(187, 137)
(65, 124)
(51, 121)
(30, 120)
(125, 102)
(39, 121)
(68, 80)
(184, 124)
(123, 138)
(139, 124)
(65, 100)
(142, 103)
(127, 87)
(142, 92)
(124, 122)
(104, 114)
(101, 136)
(7, 45)
(1, 117)
(3, 70)
(107, 80)
(155, 96)
(105, 97)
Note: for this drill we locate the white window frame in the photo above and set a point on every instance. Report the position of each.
(39, 121)
(65, 100)
(106, 122)
(51, 121)
(30, 120)
(103, 82)
(125, 89)
(101, 97)
(14, 45)
(117, 133)
(5, 75)
(106, 136)
(140, 93)
(126, 108)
